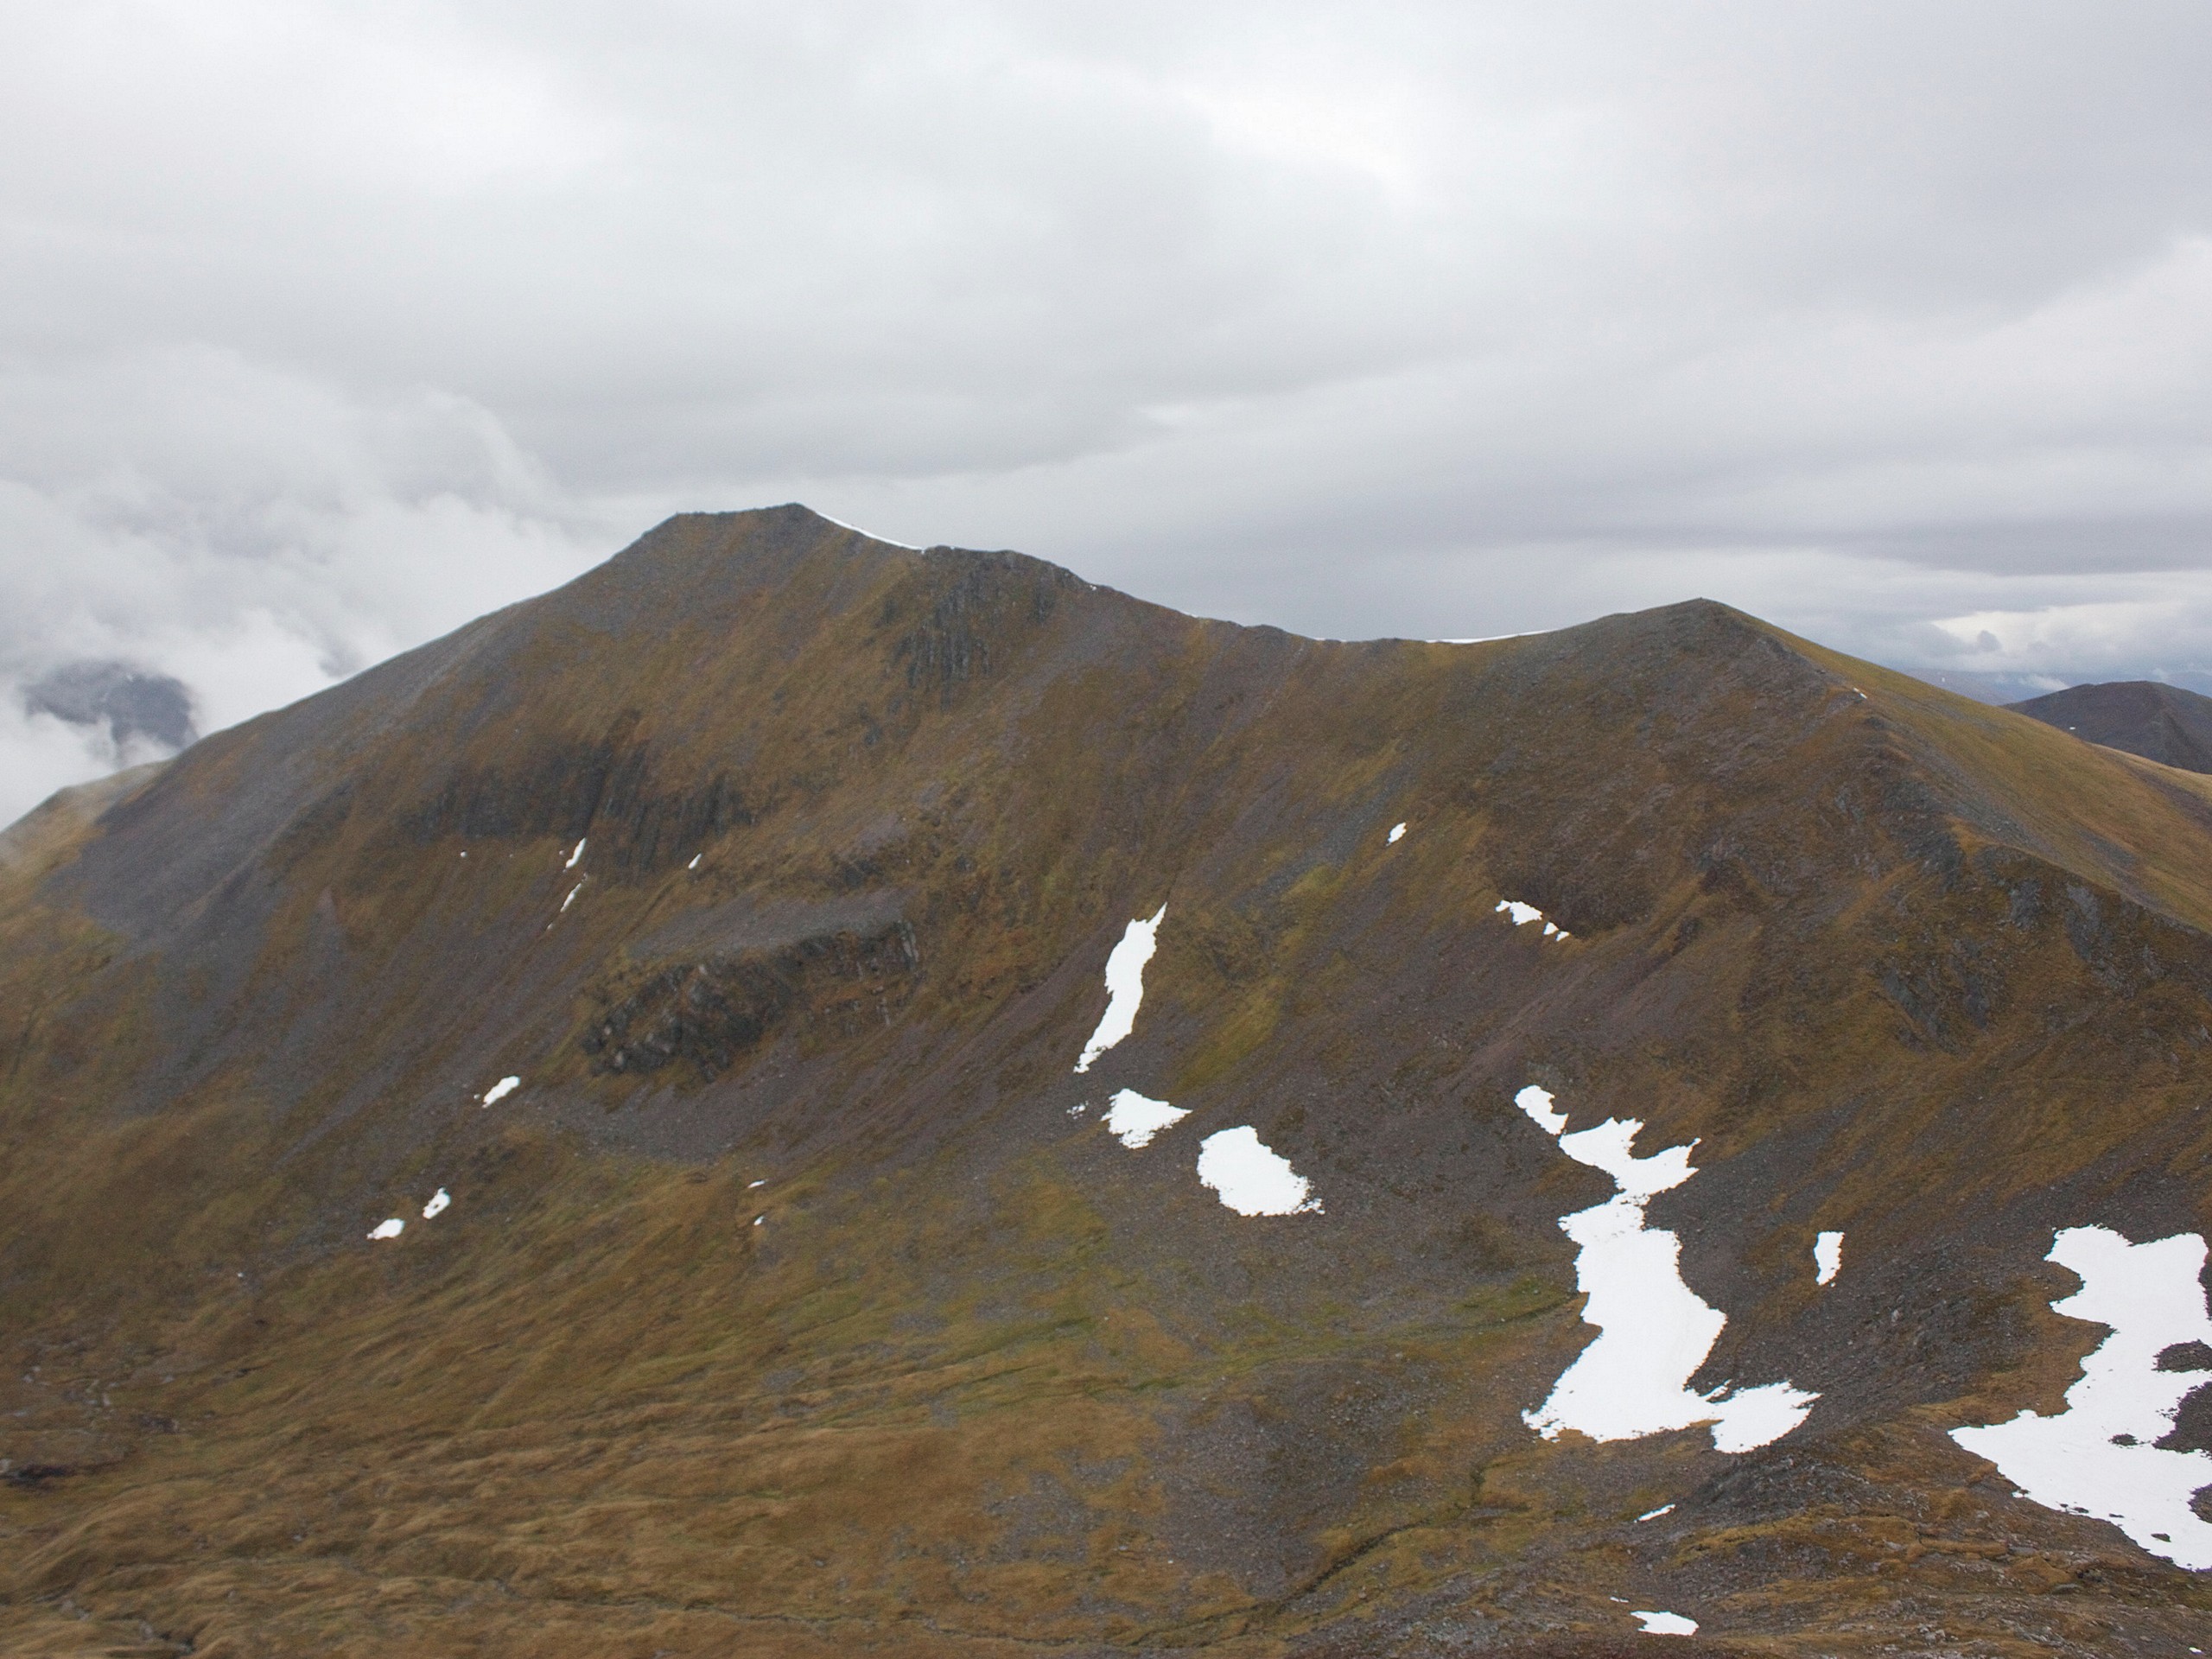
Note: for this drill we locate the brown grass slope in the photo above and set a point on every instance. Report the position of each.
(980, 1380)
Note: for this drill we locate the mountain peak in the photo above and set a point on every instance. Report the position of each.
(797, 1082)
(2166, 723)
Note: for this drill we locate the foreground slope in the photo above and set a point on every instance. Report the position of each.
(795, 1297)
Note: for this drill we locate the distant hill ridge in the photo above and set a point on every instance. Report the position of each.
(2160, 722)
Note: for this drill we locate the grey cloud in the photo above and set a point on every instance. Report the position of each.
(128, 704)
(322, 327)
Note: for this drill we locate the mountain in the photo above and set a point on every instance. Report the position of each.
(799, 1098)
(2164, 723)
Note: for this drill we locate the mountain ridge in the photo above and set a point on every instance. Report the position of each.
(2166, 723)
(1818, 917)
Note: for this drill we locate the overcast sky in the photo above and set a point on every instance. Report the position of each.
(324, 327)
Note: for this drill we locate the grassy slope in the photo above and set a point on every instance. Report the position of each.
(980, 1381)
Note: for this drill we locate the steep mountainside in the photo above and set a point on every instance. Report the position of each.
(799, 1098)
(2164, 723)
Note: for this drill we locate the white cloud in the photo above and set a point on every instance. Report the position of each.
(323, 327)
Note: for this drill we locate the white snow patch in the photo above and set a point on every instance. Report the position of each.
(757, 1220)
(500, 1090)
(1537, 1102)
(391, 1229)
(1124, 986)
(1664, 1623)
(1653, 1515)
(870, 534)
(1251, 1179)
(441, 1201)
(1397, 833)
(694, 864)
(1524, 914)
(576, 854)
(750, 1185)
(1828, 1257)
(573, 892)
(2099, 1457)
(1078, 1109)
(1652, 1329)
(1135, 1120)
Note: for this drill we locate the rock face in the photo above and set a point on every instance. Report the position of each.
(2164, 723)
(800, 1300)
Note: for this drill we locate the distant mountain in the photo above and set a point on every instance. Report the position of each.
(797, 1098)
(2160, 722)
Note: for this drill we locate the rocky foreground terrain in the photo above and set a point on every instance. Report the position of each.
(799, 1098)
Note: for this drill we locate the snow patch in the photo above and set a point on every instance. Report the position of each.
(1537, 1102)
(573, 892)
(500, 1090)
(441, 1201)
(1664, 1623)
(1828, 1257)
(694, 864)
(1251, 1179)
(1524, 914)
(576, 854)
(1653, 1515)
(2099, 1456)
(1653, 1331)
(1136, 1120)
(1124, 986)
(1397, 833)
(391, 1229)
(870, 534)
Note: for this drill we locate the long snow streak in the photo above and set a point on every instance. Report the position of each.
(1124, 986)
(1652, 1329)
(2100, 1456)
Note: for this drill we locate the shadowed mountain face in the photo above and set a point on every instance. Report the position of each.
(2164, 723)
(696, 962)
